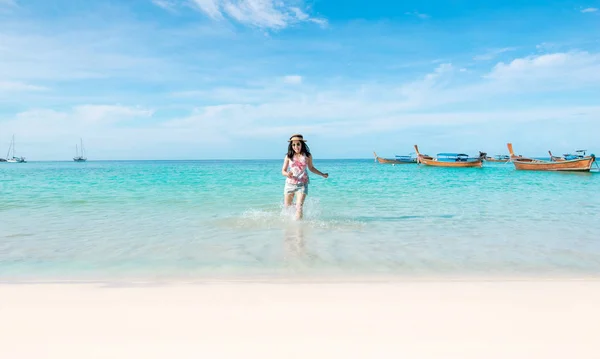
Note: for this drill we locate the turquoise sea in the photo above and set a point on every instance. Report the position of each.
(197, 219)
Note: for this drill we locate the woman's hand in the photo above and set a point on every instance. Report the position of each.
(325, 175)
(290, 174)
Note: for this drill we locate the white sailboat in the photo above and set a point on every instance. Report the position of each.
(13, 158)
(79, 157)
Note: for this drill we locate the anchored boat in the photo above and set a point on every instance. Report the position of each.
(450, 159)
(12, 158)
(397, 160)
(79, 157)
(583, 164)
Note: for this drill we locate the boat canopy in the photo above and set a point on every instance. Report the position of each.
(452, 155)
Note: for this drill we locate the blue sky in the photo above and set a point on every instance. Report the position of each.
(206, 79)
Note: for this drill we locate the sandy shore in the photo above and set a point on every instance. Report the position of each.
(245, 319)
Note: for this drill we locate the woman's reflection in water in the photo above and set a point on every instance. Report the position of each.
(294, 244)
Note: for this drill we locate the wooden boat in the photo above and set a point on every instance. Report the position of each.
(497, 158)
(568, 156)
(398, 160)
(578, 154)
(406, 158)
(450, 159)
(583, 164)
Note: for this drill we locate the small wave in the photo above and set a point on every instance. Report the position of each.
(399, 218)
(19, 235)
(279, 217)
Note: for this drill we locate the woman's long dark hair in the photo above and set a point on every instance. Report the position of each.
(303, 150)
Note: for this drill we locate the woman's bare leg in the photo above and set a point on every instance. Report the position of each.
(287, 199)
(300, 205)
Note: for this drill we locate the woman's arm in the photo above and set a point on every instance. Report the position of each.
(314, 170)
(284, 171)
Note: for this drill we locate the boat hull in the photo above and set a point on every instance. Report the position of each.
(430, 161)
(392, 161)
(531, 164)
(578, 165)
(436, 163)
(496, 160)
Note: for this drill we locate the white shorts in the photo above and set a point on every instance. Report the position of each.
(293, 188)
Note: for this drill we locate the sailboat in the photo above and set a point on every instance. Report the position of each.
(79, 157)
(13, 158)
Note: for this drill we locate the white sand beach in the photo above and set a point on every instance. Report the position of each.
(252, 319)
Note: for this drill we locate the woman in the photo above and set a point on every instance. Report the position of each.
(295, 164)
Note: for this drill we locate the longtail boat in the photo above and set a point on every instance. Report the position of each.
(583, 164)
(497, 158)
(402, 160)
(450, 159)
(406, 158)
(578, 154)
(568, 156)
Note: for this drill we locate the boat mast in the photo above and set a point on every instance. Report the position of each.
(82, 152)
(13, 146)
(10, 147)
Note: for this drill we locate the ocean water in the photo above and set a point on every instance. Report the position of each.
(198, 219)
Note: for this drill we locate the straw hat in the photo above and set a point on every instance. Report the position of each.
(297, 137)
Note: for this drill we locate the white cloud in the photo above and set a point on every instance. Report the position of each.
(329, 110)
(215, 131)
(543, 74)
(13, 86)
(303, 16)
(109, 132)
(48, 134)
(493, 53)
(355, 116)
(417, 92)
(73, 56)
(292, 79)
(89, 116)
(563, 68)
(109, 113)
(445, 85)
(417, 14)
(589, 9)
(264, 14)
(300, 15)
(168, 5)
(210, 8)
(47, 125)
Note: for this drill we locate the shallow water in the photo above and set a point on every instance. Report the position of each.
(67, 220)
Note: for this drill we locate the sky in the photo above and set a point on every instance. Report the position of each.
(234, 79)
